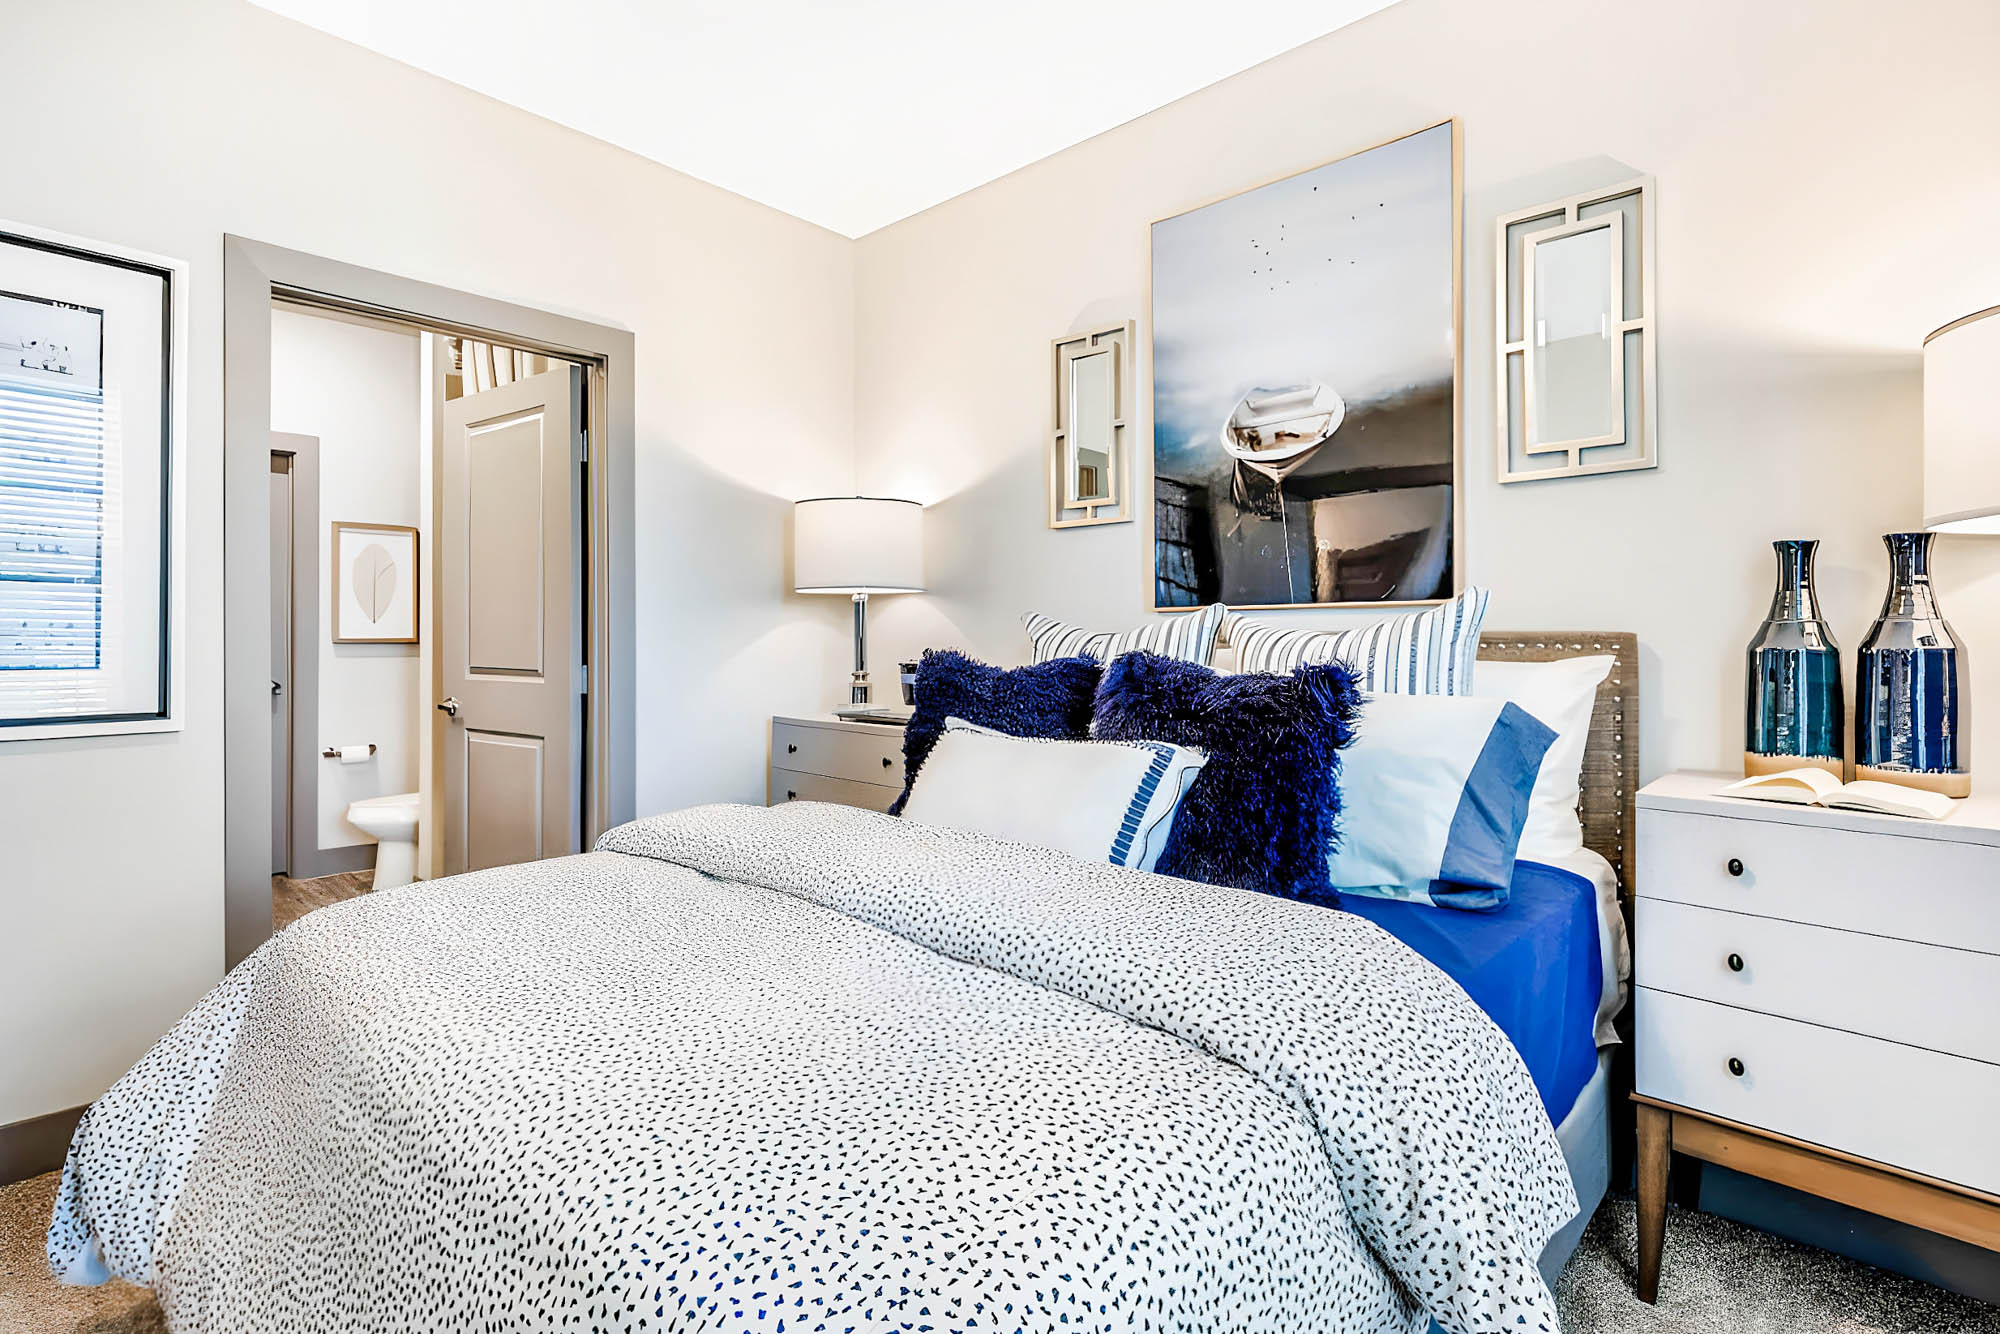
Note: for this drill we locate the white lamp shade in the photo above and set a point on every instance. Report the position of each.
(858, 544)
(1962, 425)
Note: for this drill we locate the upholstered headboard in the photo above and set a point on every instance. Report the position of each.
(1611, 755)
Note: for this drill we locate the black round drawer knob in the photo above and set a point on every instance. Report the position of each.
(1735, 866)
(887, 761)
(791, 796)
(1735, 1067)
(1735, 963)
(792, 748)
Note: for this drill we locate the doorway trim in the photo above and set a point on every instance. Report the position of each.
(254, 274)
(306, 860)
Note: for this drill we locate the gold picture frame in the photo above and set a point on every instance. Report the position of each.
(382, 576)
(1452, 521)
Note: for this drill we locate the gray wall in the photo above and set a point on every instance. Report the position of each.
(187, 119)
(1826, 198)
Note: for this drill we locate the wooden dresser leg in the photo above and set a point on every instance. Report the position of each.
(1655, 1158)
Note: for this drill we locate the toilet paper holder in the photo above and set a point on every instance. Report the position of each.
(333, 752)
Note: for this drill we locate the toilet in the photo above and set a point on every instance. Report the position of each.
(393, 822)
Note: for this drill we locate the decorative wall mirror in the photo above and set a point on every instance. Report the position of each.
(1089, 462)
(1574, 306)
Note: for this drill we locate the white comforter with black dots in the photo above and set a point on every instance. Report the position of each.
(815, 1069)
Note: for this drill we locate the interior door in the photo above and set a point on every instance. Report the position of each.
(281, 663)
(510, 634)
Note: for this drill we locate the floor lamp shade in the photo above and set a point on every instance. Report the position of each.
(857, 544)
(1962, 426)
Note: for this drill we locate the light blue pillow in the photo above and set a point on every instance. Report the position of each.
(1434, 794)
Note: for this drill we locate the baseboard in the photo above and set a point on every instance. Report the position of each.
(333, 861)
(37, 1145)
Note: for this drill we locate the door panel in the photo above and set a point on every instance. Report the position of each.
(504, 783)
(509, 634)
(506, 541)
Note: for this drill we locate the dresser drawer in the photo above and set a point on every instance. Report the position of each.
(1915, 1109)
(1923, 889)
(859, 757)
(1924, 995)
(787, 785)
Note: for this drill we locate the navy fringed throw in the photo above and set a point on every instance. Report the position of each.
(1262, 814)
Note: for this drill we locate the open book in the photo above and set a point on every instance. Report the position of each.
(1817, 787)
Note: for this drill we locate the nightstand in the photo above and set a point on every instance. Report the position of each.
(826, 759)
(1818, 1004)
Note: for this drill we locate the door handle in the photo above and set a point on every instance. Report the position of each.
(277, 688)
(450, 705)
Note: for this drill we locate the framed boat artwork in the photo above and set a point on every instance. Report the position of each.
(1306, 357)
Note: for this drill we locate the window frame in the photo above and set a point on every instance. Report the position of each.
(172, 592)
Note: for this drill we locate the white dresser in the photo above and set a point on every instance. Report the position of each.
(826, 759)
(1818, 1003)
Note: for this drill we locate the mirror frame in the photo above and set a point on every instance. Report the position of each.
(1066, 508)
(1634, 426)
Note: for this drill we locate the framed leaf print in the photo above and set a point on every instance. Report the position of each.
(374, 583)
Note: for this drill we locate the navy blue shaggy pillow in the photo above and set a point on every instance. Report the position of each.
(1049, 699)
(1261, 815)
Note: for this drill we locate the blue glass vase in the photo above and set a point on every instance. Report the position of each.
(1911, 721)
(1793, 709)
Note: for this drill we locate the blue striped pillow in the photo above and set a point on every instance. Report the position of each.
(1426, 653)
(1107, 801)
(1190, 638)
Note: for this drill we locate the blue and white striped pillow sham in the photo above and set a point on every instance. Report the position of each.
(1434, 796)
(1106, 801)
(1426, 653)
(1191, 638)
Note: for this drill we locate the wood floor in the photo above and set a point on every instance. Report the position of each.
(293, 899)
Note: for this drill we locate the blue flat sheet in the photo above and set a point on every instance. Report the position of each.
(1532, 965)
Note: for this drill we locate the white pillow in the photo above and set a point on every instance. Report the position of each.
(1190, 638)
(1561, 694)
(1434, 791)
(1424, 653)
(1103, 801)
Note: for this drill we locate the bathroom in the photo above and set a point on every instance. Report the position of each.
(370, 750)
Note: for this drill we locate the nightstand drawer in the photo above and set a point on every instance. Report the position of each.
(844, 753)
(1915, 1109)
(1923, 995)
(786, 785)
(1925, 889)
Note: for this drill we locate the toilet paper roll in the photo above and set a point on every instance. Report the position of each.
(353, 754)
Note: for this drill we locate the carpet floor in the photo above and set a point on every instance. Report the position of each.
(1718, 1278)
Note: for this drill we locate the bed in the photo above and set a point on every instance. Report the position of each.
(813, 1068)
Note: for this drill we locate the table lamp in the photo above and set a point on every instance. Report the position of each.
(1962, 425)
(858, 545)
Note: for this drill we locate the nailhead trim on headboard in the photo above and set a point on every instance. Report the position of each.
(1611, 755)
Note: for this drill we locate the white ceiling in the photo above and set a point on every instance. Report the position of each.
(848, 113)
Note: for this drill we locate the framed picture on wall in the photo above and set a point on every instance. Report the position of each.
(91, 515)
(1306, 350)
(374, 583)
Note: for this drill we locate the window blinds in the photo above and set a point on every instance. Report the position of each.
(53, 520)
